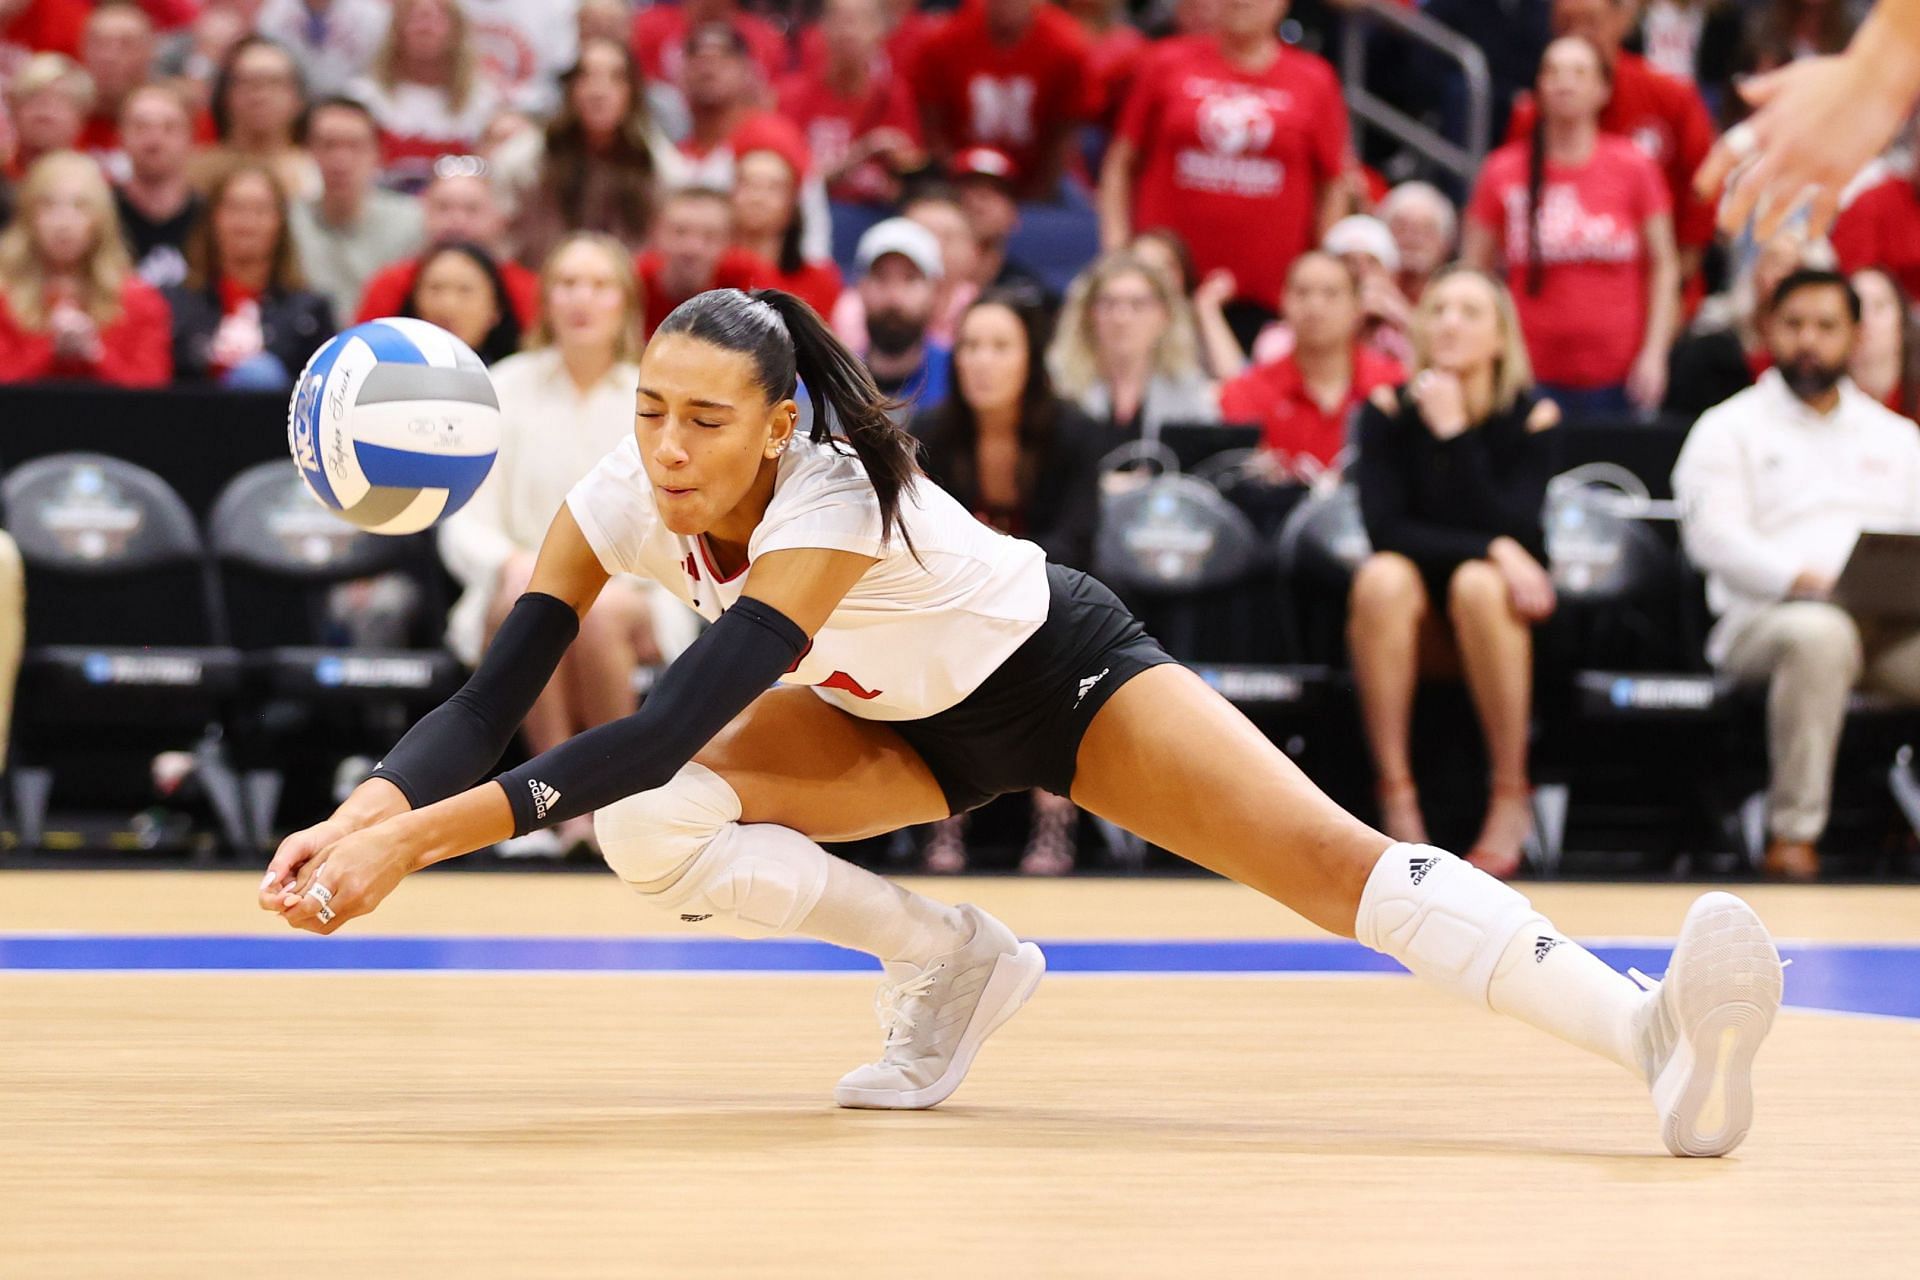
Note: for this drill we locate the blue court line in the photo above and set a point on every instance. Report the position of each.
(1842, 977)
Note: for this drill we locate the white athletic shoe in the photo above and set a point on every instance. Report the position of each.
(937, 1017)
(1704, 1021)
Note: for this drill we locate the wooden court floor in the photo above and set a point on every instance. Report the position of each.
(389, 1124)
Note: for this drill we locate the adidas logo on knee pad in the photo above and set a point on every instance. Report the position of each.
(1418, 868)
(1542, 945)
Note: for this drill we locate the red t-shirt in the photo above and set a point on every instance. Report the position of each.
(387, 291)
(738, 269)
(49, 26)
(901, 47)
(1233, 160)
(833, 123)
(136, 349)
(1666, 119)
(1586, 324)
(1019, 97)
(816, 283)
(1292, 423)
(1112, 61)
(660, 42)
(1881, 228)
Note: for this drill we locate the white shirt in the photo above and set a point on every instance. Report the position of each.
(1769, 488)
(913, 637)
(334, 45)
(525, 45)
(339, 260)
(550, 436)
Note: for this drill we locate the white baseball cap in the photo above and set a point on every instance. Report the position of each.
(905, 237)
(1360, 234)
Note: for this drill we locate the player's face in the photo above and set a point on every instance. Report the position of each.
(706, 431)
(585, 302)
(1463, 324)
(63, 224)
(990, 358)
(454, 293)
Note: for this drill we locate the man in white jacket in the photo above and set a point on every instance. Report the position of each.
(1775, 485)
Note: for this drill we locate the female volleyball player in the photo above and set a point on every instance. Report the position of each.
(927, 664)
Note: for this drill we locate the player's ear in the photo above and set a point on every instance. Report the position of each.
(783, 422)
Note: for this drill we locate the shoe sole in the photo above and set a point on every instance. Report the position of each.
(1727, 995)
(1015, 975)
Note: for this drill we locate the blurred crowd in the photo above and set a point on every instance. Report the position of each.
(1053, 231)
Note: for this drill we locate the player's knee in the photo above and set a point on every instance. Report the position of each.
(649, 837)
(757, 881)
(1447, 921)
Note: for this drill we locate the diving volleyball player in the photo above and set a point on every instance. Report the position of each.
(925, 664)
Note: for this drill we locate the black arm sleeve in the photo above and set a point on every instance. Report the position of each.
(457, 743)
(733, 662)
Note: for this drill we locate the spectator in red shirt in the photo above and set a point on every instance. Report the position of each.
(459, 205)
(903, 29)
(1115, 48)
(70, 304)
(1238, 143)
(1010, 74)
(691, 254)
(426, 88)
(1661, 115)
(459, 287)
(1579, 221)
(1881, 227)
(1886, 355)
(50, 98)
(855, 107)
(117, 52)
(1304, 400)
(660, 37)
(766, 222)
(42, 26)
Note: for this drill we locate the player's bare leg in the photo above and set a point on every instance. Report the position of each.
(731, 840)
(1170, 760)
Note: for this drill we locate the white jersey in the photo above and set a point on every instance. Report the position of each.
(911, 639)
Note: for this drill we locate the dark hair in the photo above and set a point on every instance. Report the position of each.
(953, 429)
(1537, 166)
(1909, 387)
(338, 102)
(628, 160)
(1815, 278)
(223, 83)
(504, 338)
(204, 265)
(789, 343)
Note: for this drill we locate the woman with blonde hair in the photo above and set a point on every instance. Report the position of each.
(1125, 352)
(1453, 474)
(565, 403)
(425, 89)
(70, 304)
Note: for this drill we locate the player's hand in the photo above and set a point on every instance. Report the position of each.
(1529, 585)
(1817, 123)
(292, 857)
(360, 870)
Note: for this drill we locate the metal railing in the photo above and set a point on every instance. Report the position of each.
(1369, 110)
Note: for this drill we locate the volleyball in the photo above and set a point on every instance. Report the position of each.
(394, 424)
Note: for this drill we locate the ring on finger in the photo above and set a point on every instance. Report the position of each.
(324, 896)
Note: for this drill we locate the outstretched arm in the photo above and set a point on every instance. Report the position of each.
(788, 596)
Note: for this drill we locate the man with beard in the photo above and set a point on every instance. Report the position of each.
(1774, 486)
(900, 269)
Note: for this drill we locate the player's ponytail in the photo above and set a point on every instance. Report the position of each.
(789, 343)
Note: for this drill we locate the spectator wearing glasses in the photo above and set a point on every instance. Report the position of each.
(1453, 474)
(244, 317)
(1125, 352)
(353, 227)
(426, 89)
(70, 303)
(459, 204)
(258, 101)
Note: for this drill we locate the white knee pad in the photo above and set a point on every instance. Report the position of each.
(647, 838)
(757, 881)
(1445, 920)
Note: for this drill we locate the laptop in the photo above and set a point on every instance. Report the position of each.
(1882, 577)
(1194, 442)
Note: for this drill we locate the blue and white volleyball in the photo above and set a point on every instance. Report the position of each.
(394, 424)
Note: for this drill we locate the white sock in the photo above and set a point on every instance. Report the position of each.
(870, 913)
(1549, 981)
(1460, 928)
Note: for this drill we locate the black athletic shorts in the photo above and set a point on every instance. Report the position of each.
(1022, 727)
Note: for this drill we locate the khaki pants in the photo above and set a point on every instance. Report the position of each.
(13, 631)
(1811, 655)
